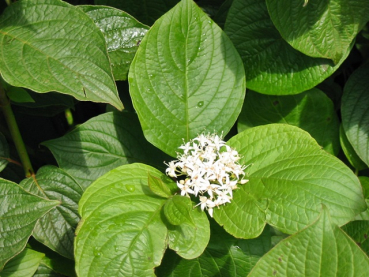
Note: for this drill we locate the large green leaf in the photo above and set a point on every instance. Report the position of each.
(192, 233)
(312, 111)
(49, 45)
(56, 228)
(321, 249)
(123, 34)
(24, 264)
(145, 11)
(290, 177)
(321, 29)
(186, 78)
(4, 152)
(19, 213)
(224, 256)
(272, 66)
(355, 112)
(101, 144)
(121, 232)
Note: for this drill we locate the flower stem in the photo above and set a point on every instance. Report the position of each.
(14, 131)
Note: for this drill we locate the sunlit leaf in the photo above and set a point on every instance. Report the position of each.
(19, 213)
(321, 29)
(321, 249)
(290, 177)
(75, 63)
(272, 66)
(123, 35)
(186, 78)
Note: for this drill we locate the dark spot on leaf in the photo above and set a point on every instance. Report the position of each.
(138, 42)
(276, 102)
(329, 119)
(275, 272)
(84, 91)
(365, 236)
(280, 259)
(358, 243)
(149, 258)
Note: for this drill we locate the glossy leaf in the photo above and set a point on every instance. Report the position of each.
(321, 29)
(349, 151)
(56, 228)
(189, 230)
(19, 213)
(290, 177)
(272, 66)
(23, 265)
(355, 112)
(186, 78)
(75, 63)
(101, 144)
(121, 232)
(123, 34)
(312, 111)
(4, 152)
(224, 256)
(330, 253)
(145, 11)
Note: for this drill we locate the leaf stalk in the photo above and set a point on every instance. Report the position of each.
(14, 131)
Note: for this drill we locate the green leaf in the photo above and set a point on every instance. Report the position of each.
(24, 264)
(272, 66)
(145, 11)
(44, 271)
(123, 34)
(350, 153)
(19, 213)
(365, 185)
(177, 210)
(311, 110)
(52, 264)
(355, 112)
(158, 187)
(321, 29)
(359, 231)
(56, 228)
(121, 232)
(101, 144)
(330, 253)
(290, 176)
(4, 152)
(75, 63)
(224, 256)
(191, 231)
(19, 95)
(186, 78)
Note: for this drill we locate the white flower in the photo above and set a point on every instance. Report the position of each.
(211, 171)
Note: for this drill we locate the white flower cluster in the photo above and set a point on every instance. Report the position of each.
(211, 171)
